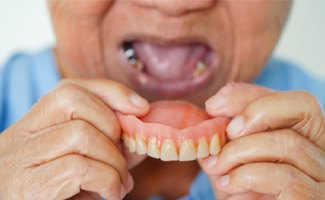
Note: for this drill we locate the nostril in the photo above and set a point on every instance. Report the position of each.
(176, 7)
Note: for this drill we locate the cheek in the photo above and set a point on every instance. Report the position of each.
(257, 27)
(77, 29)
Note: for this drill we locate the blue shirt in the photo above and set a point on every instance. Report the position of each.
(25, 78)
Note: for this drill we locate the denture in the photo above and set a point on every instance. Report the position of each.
(174, 131)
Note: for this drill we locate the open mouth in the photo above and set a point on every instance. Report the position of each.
(169, 70)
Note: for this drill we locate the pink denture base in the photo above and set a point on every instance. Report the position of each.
(175, 120)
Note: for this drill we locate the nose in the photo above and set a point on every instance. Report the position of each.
(175, 7)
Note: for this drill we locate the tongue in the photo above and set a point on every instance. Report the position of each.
(170, 62)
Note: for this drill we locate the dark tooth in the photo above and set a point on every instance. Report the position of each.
(129, 51)
(137, 64)
(130, 54)
(199, 69)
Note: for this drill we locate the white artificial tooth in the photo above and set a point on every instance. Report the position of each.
(187, 151)
(215, 145)
(168, 151)
(141, 146)
(199, 69)
(125, 139)
(132, 145)
(203, 148)
(153, 150)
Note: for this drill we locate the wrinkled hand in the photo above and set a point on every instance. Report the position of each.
(276, 145)
(68, 145)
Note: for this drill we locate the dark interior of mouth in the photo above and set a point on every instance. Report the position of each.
(167, 62)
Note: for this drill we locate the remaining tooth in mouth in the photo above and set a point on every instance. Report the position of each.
(136, 64)
(187, 150)
(199, 69)
(133, 59)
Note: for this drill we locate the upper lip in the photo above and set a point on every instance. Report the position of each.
(165, 40)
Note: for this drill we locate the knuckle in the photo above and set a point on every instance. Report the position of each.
(113, 183)
(309, 99)
(80, 135)
(77, 164)
(67, 93)
(65, 96)
(301, 191)
(290, 142)
(290, 173)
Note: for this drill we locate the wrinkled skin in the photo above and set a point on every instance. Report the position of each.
(68, 145)
(235, 30)
(70, 142)
(276, 147)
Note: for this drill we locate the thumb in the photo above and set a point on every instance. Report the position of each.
(207, 165)
(232, 99)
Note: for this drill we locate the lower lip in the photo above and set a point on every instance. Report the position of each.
(171, 89)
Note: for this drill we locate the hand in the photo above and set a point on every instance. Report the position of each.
(276, 145)
(68, 145)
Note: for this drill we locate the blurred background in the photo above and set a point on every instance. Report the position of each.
(25, 26)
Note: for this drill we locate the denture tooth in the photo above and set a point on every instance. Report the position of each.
(215, 145)
(187, 151)
(141, 146)
(168, 151)
(153, 150)
(132, 145)
(199, 69)
(125, 138)
(203, 148)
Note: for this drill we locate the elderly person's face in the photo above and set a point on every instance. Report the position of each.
(175, 49)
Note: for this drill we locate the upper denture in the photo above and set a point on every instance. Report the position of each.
(174, 130)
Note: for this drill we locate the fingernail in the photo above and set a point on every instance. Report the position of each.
(123, 192)
(236, 126)
(137, 100)
(211, 161)
(224, 181)
(215, 103)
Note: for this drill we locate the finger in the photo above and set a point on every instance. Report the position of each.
(84, 195)
(67, 103)
(76, 137)
(251, 196)
(73, 173)
(233, 98)
(297, 110)
(286, 147)
(133, 159)
(280, 180)
(248, 195)
(115, 95)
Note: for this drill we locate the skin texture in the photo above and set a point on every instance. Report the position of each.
(235, 30)
(272, 153)
(69, 142)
